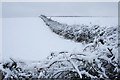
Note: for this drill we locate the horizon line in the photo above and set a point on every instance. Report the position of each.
(81, 16)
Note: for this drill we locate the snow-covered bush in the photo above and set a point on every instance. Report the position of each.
(97, 61)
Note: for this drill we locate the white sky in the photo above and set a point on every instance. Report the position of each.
(60, 0)
(34, 9)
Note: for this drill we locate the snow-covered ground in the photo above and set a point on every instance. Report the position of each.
(0, 39)
(33, 50)
(30, 39)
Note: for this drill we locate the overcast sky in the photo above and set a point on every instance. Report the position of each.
(34, 9)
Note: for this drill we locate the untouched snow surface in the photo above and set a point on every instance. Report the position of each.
(30, 39)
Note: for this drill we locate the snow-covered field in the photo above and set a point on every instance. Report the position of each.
(49, 49)
(30, 39)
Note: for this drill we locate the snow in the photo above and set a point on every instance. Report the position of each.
(30, 39)
(31, 49)
(0, 38)
(102, 21)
